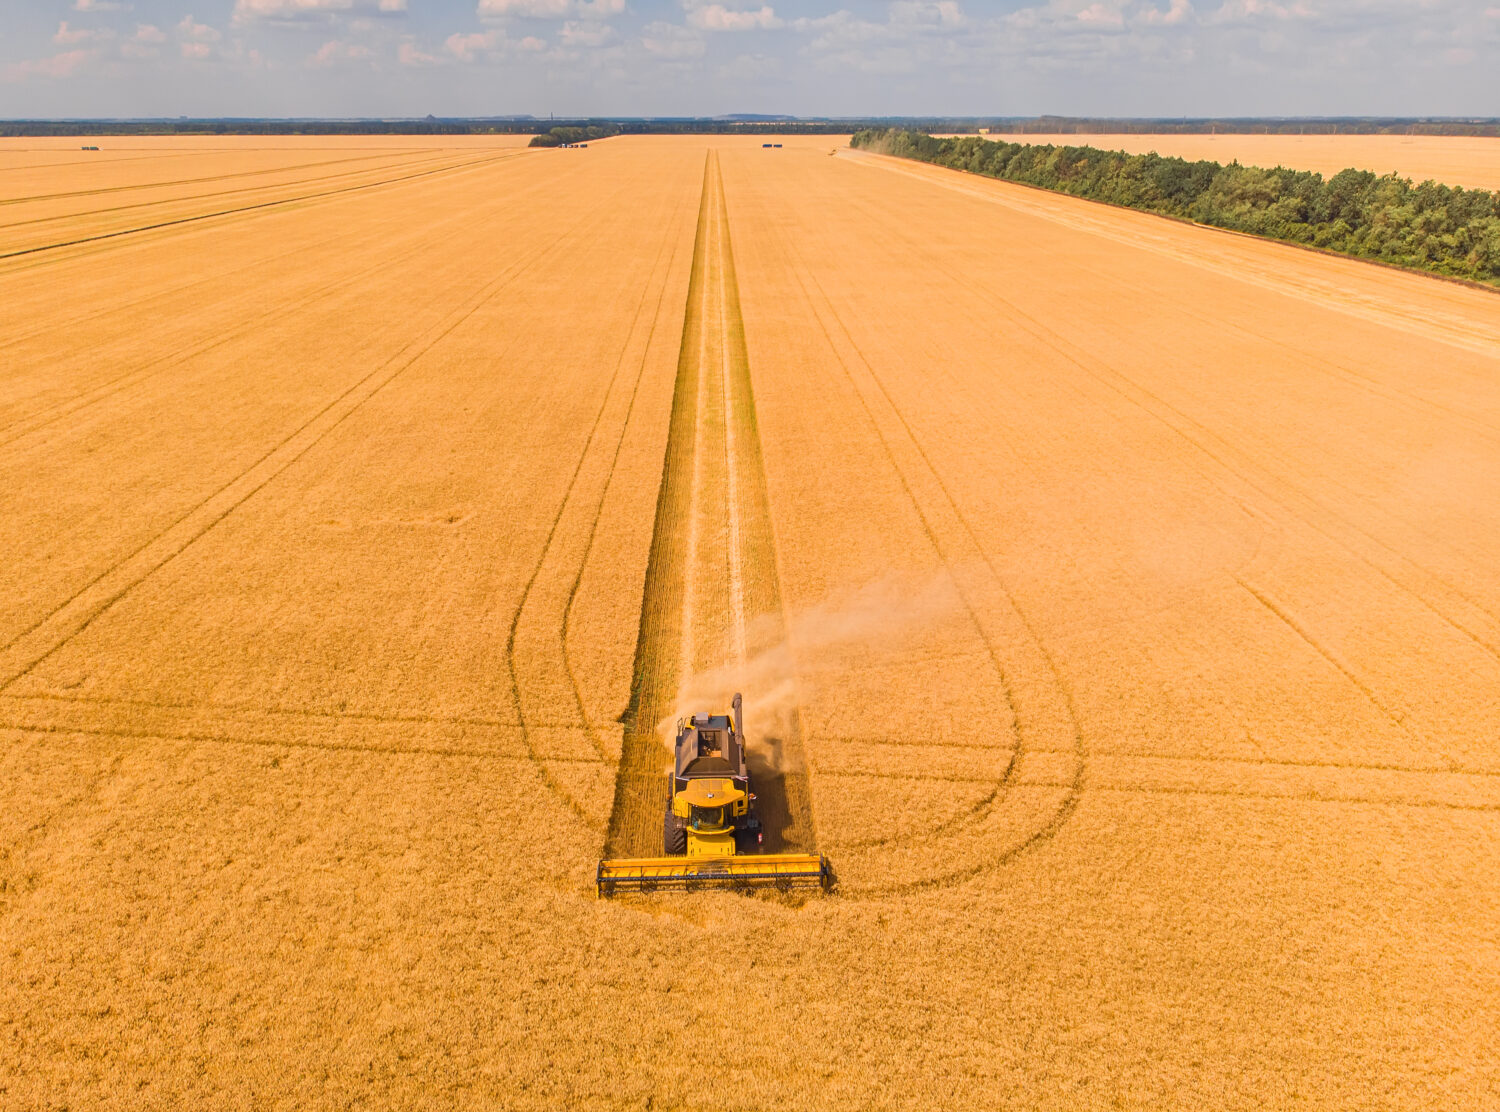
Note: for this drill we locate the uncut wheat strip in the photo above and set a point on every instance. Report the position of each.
(557, 361)
(85, 234)
(540, 671)
(24, 217)
(984, 611)
(1152, 359)
(1438, 311)
(641, 366)
(876, 223)
(43, 638)
(90, 348)
(1394, 556)
(1259, 477)
(54, 185)
(151, 474)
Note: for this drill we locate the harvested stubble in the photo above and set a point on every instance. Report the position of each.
(711, 609)
(1139, 586)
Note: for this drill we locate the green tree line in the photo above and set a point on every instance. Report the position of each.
(1437, 228)
(560, 135)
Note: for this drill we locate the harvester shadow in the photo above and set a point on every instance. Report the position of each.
(777, 791)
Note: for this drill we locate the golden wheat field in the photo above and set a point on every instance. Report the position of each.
(1116, 603)
(1470, 161)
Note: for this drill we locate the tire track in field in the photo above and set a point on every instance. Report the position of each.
(111, 704)
(675, 634)
(1280, 612)
(258, 207)
(1317, 519)
(553, 785)
(1122, 386)
(317, 179)
(126, 307)
(42, 419)
(1084, 216)
(37, 197)
(1195, 434)
(31, 647)
(123, 733)
(1038, 832)
(1289, 796)
(588, 547)
(67, 407)
(1321, 512)
(1316, 511)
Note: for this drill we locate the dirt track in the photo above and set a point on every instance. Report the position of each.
(1142, 595)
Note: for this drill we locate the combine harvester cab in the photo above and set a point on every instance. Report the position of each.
(711, 835)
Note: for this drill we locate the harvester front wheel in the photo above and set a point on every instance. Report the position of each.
(674, 835)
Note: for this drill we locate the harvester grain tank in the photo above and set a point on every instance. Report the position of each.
(711, 834)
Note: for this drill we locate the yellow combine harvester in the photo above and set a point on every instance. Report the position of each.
(711, 836)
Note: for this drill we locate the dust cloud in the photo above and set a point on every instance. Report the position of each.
(776, 679)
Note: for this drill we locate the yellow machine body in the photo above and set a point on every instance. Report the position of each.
(711, 832)
(709, 807)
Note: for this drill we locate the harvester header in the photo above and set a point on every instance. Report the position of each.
(711, 835)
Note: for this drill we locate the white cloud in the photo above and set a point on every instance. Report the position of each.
(408, 54)
(479, 45)
(750, 67)
(144, 43)
(931, 13)
(58, 66)
(334, 51)
(470, 47)
(1064, 15)
(1101, 15)
(289, 9)
(716, 17)
(196, 41)
(1181, 11)
(550, 9)
(1241, 11)
(589, 33)
(293, 11)
(670, 42)
(100, 6)
(71, 36)
(190, 30)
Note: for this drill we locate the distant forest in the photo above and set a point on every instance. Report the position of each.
(1431, 227)
(1064, 125)
(429, 126)
(753, 125)
(560, 135)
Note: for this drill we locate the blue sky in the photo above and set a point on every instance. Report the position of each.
(703, 57)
